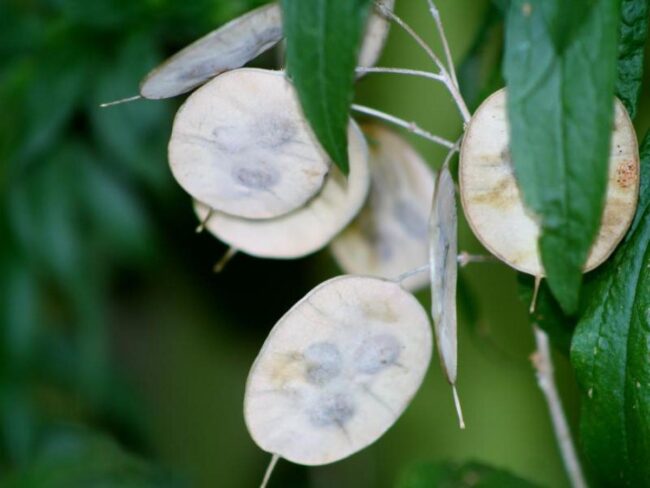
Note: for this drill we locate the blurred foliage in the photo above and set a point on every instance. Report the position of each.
(470, 475)
(74, 458)
(74, 182)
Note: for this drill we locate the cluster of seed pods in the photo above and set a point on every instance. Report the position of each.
(342, 365)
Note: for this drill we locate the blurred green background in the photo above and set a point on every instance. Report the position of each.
(123, 358)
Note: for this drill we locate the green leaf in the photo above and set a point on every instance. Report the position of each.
(560, 68)
(548, 314)
(632, 36)
(610, 354)
(323, 39)
(469, 475)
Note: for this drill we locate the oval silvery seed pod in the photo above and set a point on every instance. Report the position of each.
(307, 229)
(229, 47)
(337, 370)
(493, 204)
(389, 236)
(443, 270)
(241, 145)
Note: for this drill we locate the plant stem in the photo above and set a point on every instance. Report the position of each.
(224, 260)
(269, 470)
(411, 126)
(119, 102)
(452, 88)
(545, 379)
(465, 258)
(401, 71)
(412, 272)
(435, 13)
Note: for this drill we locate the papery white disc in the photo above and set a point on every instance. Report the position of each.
(241, 145)
(309, 228)
(389, 237)
(337, 370)
(493, 204)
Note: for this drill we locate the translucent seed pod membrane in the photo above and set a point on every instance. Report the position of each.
(241, 145)
(337, 370)
(389, 236)
(493, 204)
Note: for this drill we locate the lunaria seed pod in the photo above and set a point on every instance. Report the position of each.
(443, 270)
(234, 44)
(493, 204)
(389, 236)
(241, 145)
(229, 47)
(308, 228)
(337, 370)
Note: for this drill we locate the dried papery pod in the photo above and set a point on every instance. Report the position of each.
(229, 47)
(309, 228)
(375, 36)
(234, 44)
(241, 145)
(389, 236)
(443, 269)
(337, 370)
(493, 204)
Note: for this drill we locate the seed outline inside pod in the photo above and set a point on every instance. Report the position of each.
(307, 229)
(319, 424)
(241, 145)
(492, 201)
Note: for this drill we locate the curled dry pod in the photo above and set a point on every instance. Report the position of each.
(493, 204)
(241, 145)
(337, 370)
(228, 47)
(307, 229)
(389, 236)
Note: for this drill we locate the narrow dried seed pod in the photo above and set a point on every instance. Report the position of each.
(493, 204)
(375, 36)
(389, 236)
(337, 370)
(309, 228)
(228, 47)
(443, 268)
(241, 145)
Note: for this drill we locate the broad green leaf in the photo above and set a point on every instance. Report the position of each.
(610, 352)
(560, 68)
(323, 39)
(632, 36)
(469, 475)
